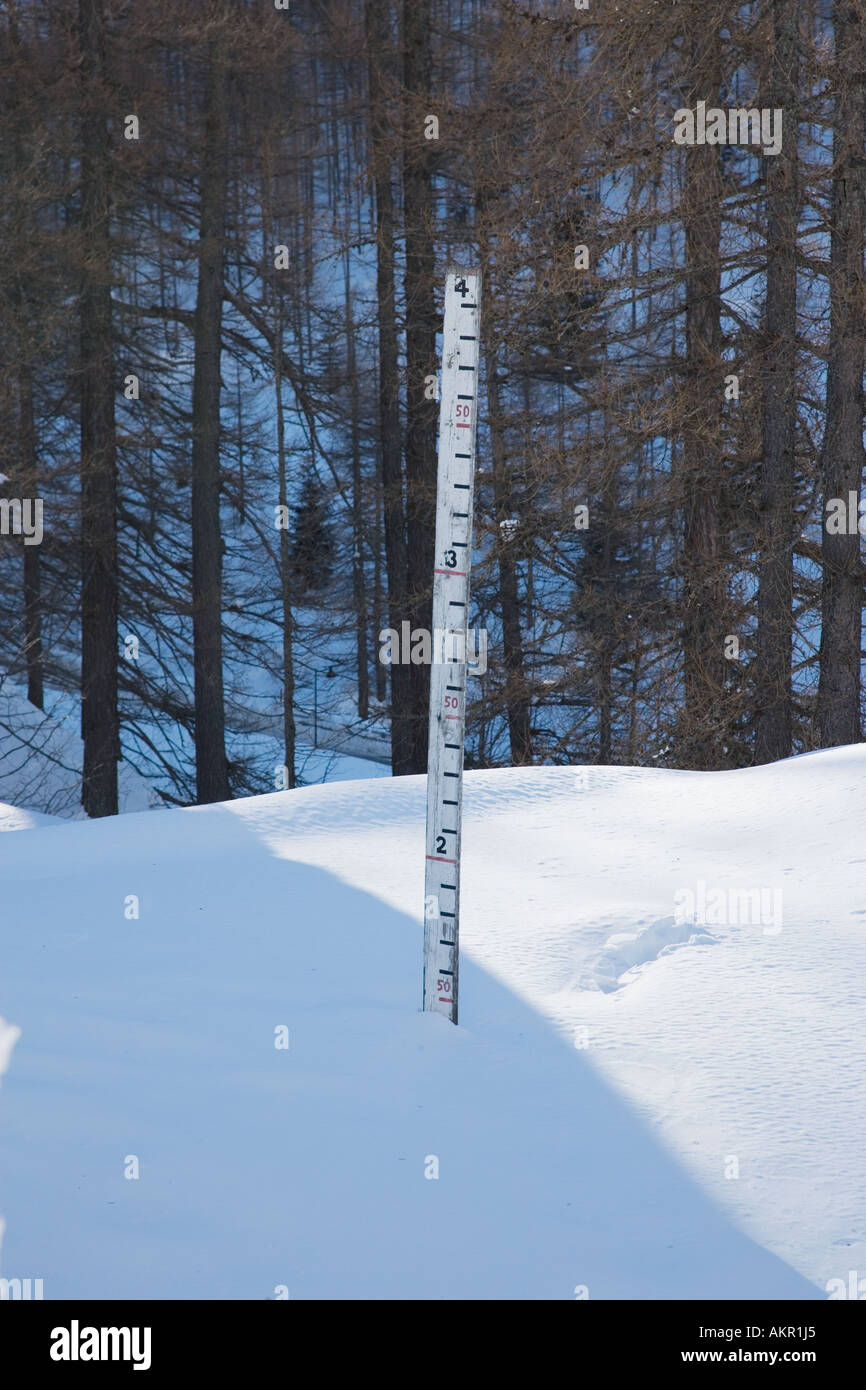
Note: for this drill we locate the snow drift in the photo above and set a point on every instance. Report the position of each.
(223, 1088)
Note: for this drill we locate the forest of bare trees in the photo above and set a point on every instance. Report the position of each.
(224, 231)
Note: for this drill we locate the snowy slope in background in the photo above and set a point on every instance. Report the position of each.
(13, 818)
(615, 1065)
(41, 757)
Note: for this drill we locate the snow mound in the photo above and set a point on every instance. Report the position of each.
(14, 818)
(626, 954)
(223, 1086)
(9, 1035)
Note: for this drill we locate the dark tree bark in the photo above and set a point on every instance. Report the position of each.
(418, 212)
(517, 704)
(842, 451)
(379, 604)
(608, 641)
(700, 472)
(99, 717)
(359, 585)
(285, 562)
(32, 567)
(773, 727)
(23, 235)
(378, 43)
(212, 782)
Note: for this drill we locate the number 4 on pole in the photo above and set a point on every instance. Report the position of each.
(458, 414)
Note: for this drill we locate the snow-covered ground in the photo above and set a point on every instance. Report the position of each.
(656, 1090)
(41, 756)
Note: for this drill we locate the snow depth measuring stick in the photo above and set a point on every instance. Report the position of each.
(458, 414)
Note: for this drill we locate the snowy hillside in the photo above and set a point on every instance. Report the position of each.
(655, 1091)
(41, 756)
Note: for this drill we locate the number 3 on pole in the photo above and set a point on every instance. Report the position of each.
(458, 414)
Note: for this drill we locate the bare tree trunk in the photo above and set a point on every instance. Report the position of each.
(703, 587)
(517, 704)
(419, 214)
(378, 41)
(608, 603)
(285, 564)
(773, 729)
(24, 231)
(359, 588)
(842, 452)
(32, 569)
(379, 606)
(99, 717)
(212, 782)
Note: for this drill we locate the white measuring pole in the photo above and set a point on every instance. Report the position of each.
(458, 415)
